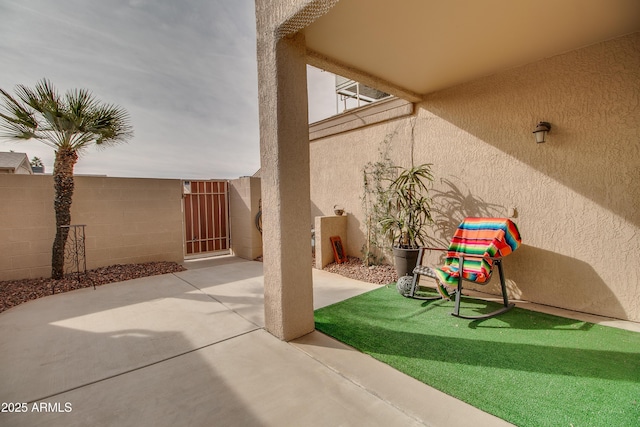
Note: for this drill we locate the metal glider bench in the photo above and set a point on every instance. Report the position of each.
(478, 245)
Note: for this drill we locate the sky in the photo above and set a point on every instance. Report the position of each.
(184, 70)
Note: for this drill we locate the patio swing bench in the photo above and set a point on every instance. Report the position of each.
(477, 247)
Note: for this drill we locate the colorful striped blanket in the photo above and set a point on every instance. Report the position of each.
(479, 239)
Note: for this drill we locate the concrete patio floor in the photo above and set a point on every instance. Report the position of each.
(190, 349)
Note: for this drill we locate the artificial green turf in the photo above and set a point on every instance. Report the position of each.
(529, 368)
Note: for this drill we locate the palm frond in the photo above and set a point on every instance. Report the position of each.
(73, 122)
(409, 206)
(17, 120)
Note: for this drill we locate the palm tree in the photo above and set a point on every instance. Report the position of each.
(36, 162)
(68, 124)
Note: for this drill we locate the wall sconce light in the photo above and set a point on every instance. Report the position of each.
(541, 131)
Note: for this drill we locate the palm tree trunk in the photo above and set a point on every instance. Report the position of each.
(63, 185)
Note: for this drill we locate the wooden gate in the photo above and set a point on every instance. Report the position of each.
(206, 217)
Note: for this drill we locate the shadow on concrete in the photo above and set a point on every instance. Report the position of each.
(119, 358)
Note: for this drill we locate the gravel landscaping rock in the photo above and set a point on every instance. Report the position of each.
(355, 269)
(14, 292)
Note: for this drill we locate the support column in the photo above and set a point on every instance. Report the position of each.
(286, 211)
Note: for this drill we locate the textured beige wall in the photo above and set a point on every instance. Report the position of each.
(27, 226)
(244, 205)
(577, 196)
(380, 111)
(325, 228)
(337, 171)
(127, 221)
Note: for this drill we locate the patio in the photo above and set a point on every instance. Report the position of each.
(190, 348)
(475, 82)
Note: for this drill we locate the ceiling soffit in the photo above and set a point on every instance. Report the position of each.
(415, 47)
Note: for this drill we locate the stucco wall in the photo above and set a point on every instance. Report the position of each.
(325, 228)
(128, 220)
(244, 200)
(577, 197)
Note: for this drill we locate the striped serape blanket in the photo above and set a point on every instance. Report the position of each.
(478, 240)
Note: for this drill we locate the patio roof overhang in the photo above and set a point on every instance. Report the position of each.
(411, 48)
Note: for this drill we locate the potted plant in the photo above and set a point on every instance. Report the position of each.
(408, 215)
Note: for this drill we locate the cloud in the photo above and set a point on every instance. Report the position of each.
(185, 71)
(321, 92)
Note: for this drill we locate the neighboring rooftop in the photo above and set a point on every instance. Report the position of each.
(17, 163)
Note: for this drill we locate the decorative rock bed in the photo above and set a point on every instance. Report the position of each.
(14, 292)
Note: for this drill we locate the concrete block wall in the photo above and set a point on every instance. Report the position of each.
(128, 220)
(27, 226)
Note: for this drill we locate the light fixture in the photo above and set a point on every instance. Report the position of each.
(541, 131)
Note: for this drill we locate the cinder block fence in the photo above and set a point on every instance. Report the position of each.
(128, 220)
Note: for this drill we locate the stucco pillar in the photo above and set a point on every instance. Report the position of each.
(284, 151)
(244, 205)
